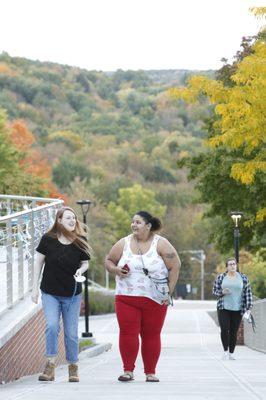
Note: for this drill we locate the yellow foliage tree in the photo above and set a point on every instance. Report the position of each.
(241, 110)
(73, 140)
(6, 70)
(258, 11)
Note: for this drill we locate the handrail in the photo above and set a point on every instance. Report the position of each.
(28, 198)
(30, 210)
(20, 233)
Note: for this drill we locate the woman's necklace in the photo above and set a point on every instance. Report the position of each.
(145, 242)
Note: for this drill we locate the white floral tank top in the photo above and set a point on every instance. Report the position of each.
(137, 283)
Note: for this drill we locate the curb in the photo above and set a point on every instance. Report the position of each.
(95, 350)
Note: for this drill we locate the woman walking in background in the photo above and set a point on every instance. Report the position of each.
(138, 310)
(63, 255)
(234, 299)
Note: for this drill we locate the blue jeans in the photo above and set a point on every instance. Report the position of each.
(69, 308)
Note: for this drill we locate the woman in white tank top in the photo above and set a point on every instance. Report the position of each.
(139, 313)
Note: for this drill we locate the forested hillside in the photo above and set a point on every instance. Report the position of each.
(125, 141)
(114, 138)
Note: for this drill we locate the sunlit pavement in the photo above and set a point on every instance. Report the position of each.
(190, 366)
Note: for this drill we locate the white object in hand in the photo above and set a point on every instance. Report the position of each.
(226, 291)
(79, 278)
(247, 315)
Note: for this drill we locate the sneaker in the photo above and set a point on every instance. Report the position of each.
(225, 356)
(48, 373)
(231, 356)
(73, 373)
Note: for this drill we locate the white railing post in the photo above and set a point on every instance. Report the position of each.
(20, 259)
(9, 264)
(31, 250)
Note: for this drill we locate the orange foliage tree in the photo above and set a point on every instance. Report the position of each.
(32, 161)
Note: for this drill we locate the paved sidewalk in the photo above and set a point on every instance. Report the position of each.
(190, 366)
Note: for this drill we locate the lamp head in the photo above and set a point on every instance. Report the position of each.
(85, 205)
(236, 216)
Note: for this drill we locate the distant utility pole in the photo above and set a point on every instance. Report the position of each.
(200, 257)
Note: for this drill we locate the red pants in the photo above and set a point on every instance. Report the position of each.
(139, 316)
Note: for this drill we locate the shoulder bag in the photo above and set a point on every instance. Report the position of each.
(160, 287)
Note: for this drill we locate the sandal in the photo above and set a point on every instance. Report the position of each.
(152, 378)
(126, 377)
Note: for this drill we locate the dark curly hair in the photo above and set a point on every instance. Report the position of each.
(156, 224)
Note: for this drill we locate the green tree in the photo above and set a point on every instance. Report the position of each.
(224, 194)
(67, 170)
(255, 267)
(8, 155)
(130, 201)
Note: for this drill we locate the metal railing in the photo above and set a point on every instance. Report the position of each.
(23, 220)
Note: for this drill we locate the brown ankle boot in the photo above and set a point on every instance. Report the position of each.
(73, 373)
(48, 373)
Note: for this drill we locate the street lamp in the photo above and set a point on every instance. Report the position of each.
(236, 216)
(85, 205)
(201, 259)
(202, 272)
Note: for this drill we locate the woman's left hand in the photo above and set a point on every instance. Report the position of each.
(78, 272)
(247, 314)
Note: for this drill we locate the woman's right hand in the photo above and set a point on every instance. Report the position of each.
(122, 273)
(226, 291)
(35, 296)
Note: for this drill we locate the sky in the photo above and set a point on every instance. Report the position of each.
(128, 34)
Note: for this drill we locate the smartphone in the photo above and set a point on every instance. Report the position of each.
(125, 269)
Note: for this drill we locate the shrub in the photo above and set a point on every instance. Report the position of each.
(100, 302)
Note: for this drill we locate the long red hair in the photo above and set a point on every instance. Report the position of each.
(77, 236)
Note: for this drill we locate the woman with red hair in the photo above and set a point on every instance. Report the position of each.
(62, 255)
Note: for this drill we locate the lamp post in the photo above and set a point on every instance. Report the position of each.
(236, 216)
(85, 205)
(201, 259)
(202, 272)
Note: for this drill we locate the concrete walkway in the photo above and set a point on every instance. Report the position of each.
(190, 366)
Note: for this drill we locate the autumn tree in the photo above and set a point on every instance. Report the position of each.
(231, 173)
(13, 179)
(241, 111)
(23, 169)
(71, 139)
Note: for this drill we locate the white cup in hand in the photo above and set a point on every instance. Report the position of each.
(79, 278)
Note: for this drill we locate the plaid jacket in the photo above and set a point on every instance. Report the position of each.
(246, 303)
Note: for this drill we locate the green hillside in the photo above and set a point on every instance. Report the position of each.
(102, 132)
(124, 103)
